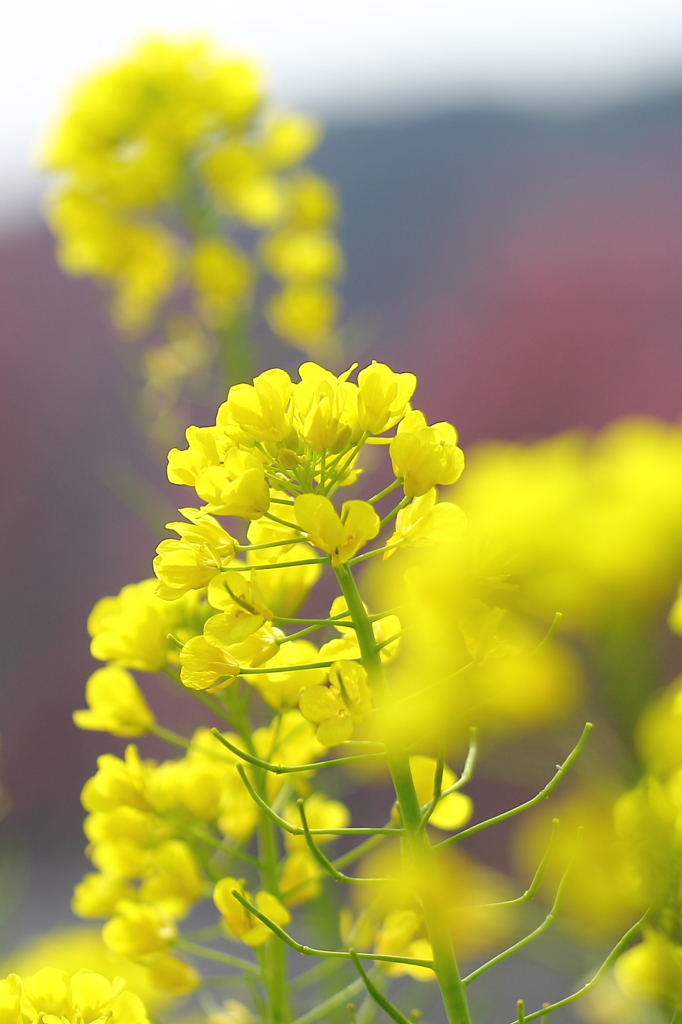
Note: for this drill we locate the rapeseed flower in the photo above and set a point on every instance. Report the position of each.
(85, 997)
(240, 923)
(181, 189)
(116, 704)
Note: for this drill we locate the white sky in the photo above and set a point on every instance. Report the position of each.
(346, 58)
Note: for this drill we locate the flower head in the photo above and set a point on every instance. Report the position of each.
(116, 704)
(242, 924)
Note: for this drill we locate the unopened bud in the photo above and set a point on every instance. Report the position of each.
(287, 458)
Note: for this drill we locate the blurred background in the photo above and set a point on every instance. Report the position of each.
(511, 180)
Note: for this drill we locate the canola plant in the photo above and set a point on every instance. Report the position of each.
(517, 604)
(183, 191)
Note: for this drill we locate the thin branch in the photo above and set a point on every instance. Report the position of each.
(317, 973)
(619, 948)
(382, 494)
(271, 543)
(549, 920)
(469, 763)
(276, 565)
(206, 837)
(246, 671)
(556, 622)
(171, 737)
(326, 864)
(332, 1003)
(537, 877)
(378, 997)
(331, 621)
(337, 953)
(284, 769)
(538, 798)
(215, 954)
(375, 551)
(223, 979)
(283, 522)
(392, 639)
(394, 511)
(296, 830)
(467, 772)
(437, 788)
(359, 851)
(340, 862)
(203, 698)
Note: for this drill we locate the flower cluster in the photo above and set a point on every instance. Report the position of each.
(177, 127)
(181, 189)
(275, 457)
(164, 836)
(238, 821)
(84, 998)
(160, 834)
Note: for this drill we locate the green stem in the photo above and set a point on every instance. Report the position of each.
(416, 839)
(274, 953)
(236, 356)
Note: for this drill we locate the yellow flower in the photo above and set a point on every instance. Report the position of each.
(97, 895)
(285, 589)
(83, 998)
(132, 628)
(289, 138)
(303, 312)
(384, 396)
(222, 275)
(236, 488)
(118, 782)
(301, 878)
(312, 200)
(340, 536)
(326, 408)
(172, 975)
(266, 531)
(399, 936)
(191, 562)
(424, 456)
(348, 648)
(205, 667)
(243, 925)
(125, 823)
(282, 689)
(76, 947)
(263, 409)
(320, 812)
(243, 609)
(120, 209)
(427, 521)
(333, 707)
(652, 971)
(175, 882)
(302, 254)
(206, 446)
(10, 998)
(452, 811)
(116, 704)
(137, 929)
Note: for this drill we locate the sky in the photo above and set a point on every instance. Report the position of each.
(345, 58)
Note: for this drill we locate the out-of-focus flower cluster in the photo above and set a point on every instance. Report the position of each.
(591, 528)
(647, 821)
(182, 189)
